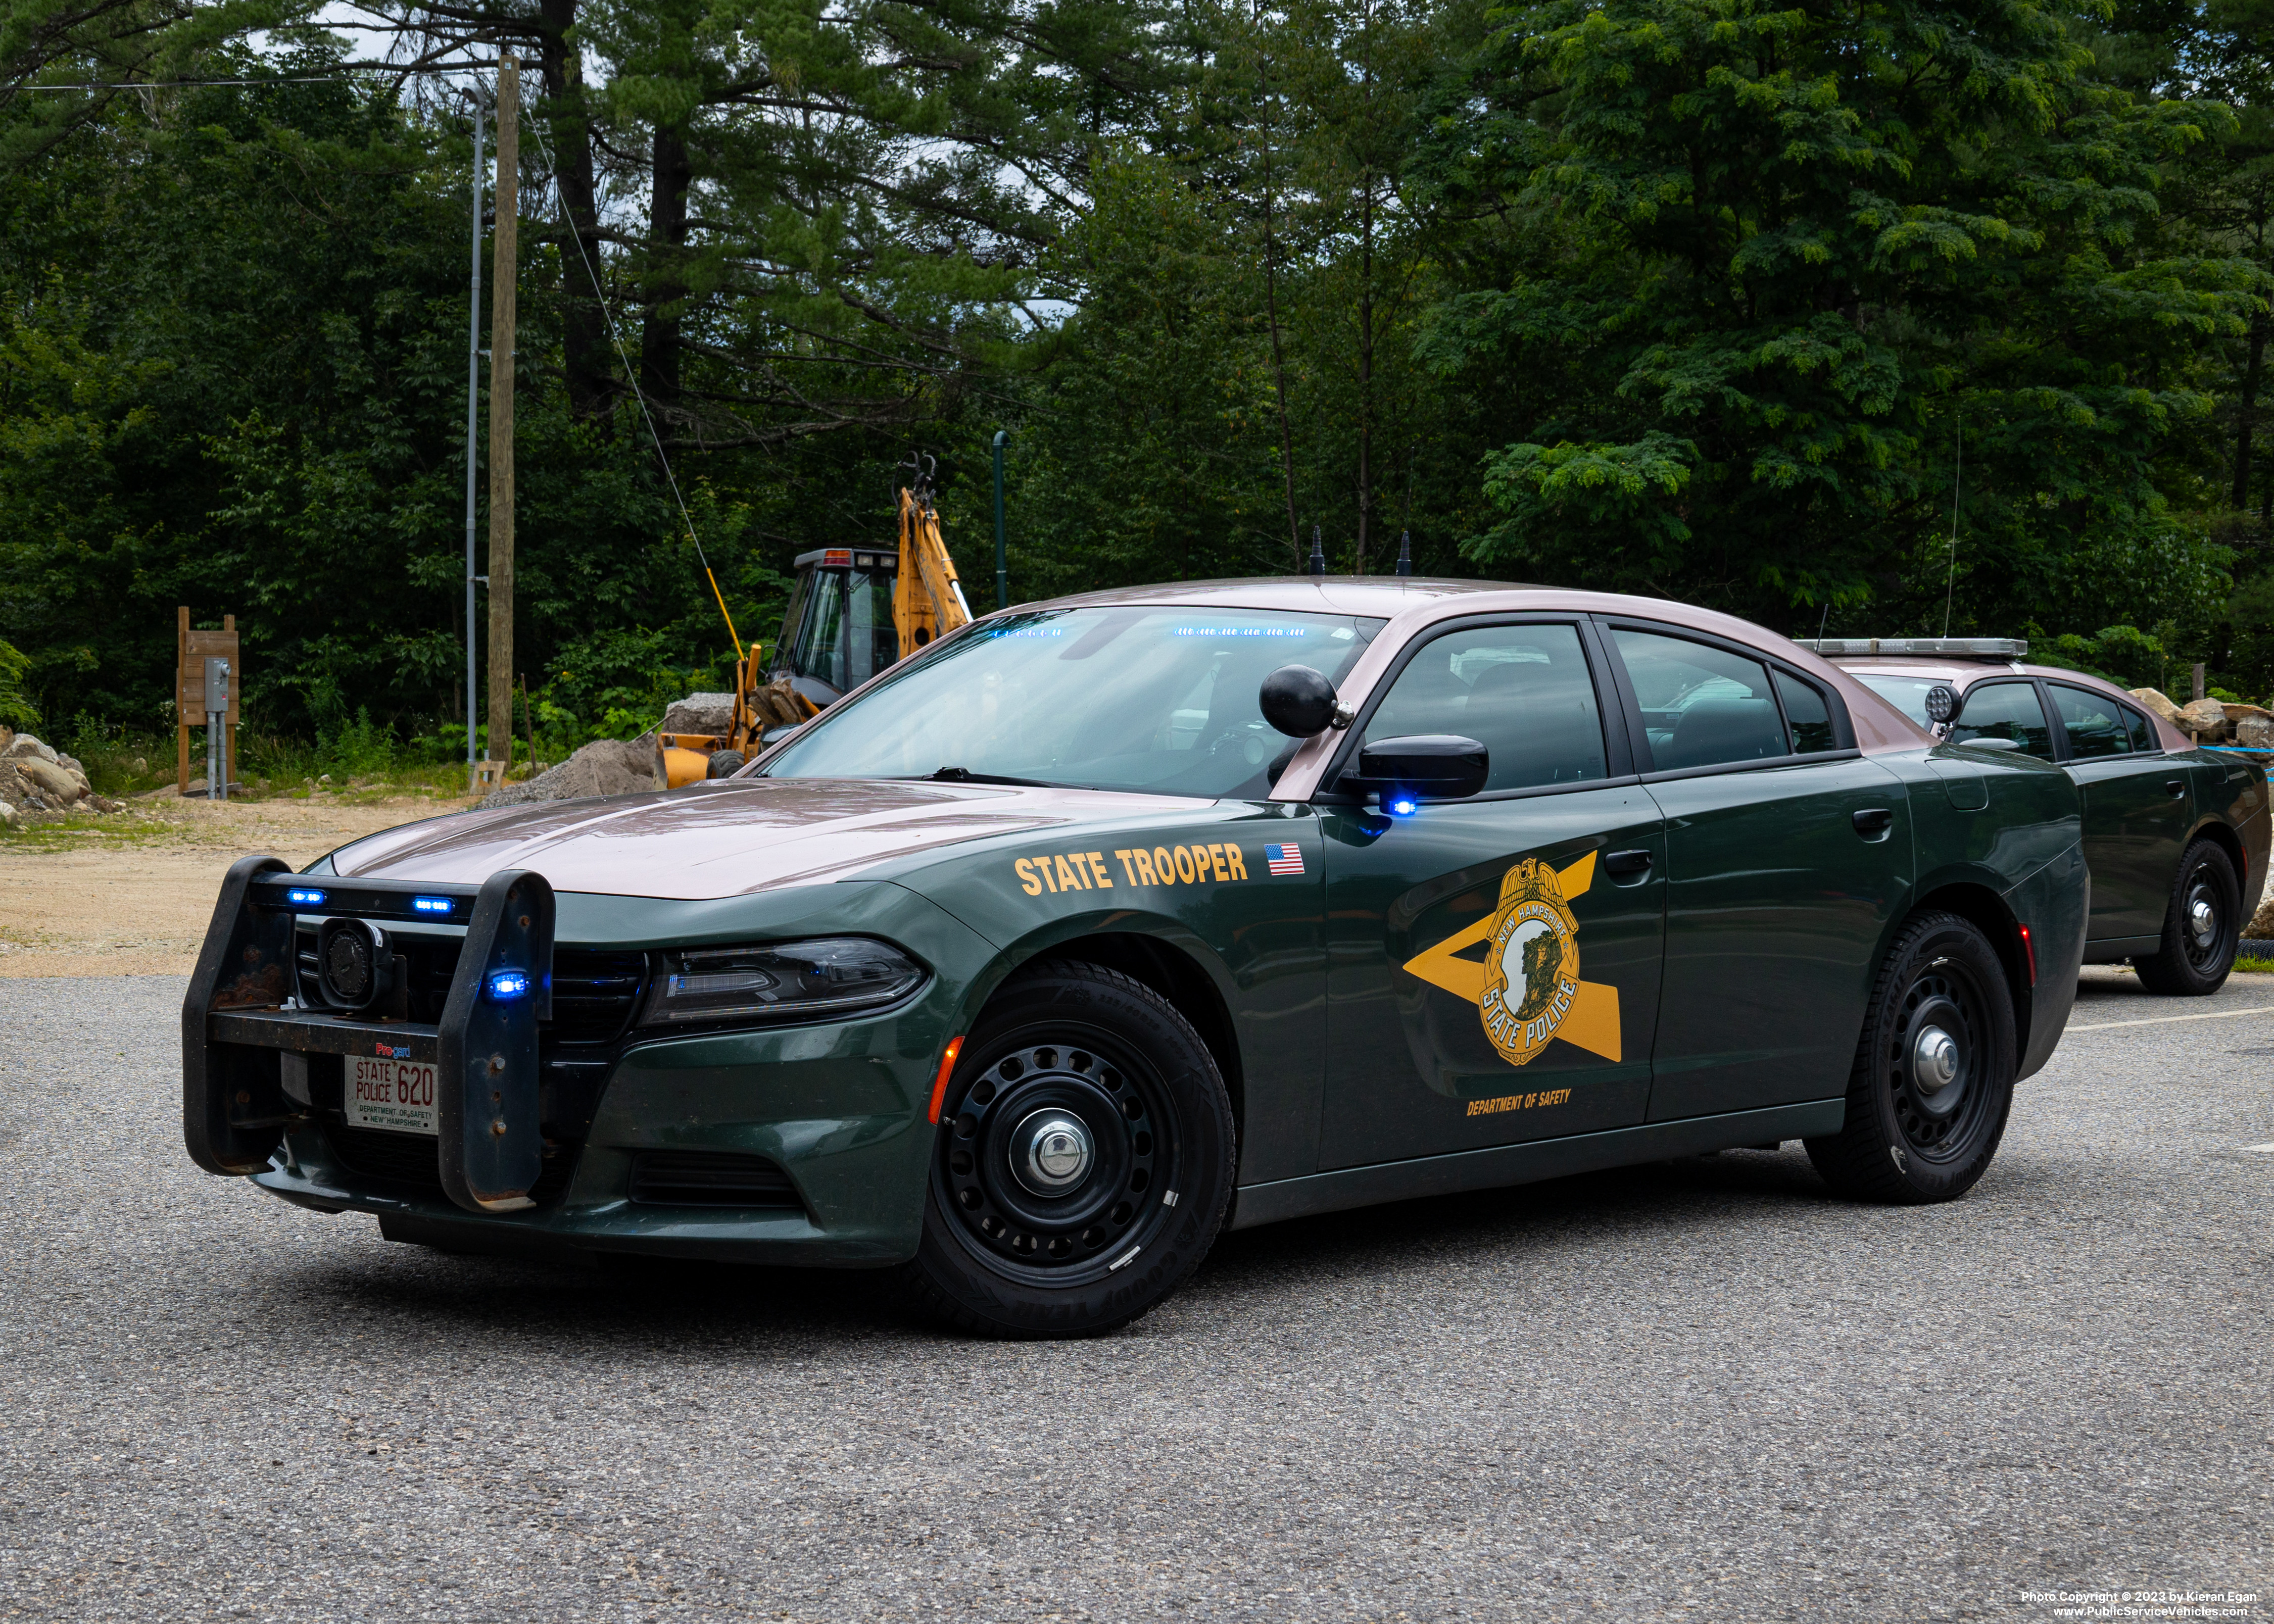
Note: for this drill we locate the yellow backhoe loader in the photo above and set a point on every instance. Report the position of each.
(853, 611)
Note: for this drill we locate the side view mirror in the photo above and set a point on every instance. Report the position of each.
(1942, 704)
(1297, 701)
(1439, 766)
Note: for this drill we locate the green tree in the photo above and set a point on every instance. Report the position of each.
(1784, 259)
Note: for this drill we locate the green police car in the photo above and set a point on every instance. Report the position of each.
(1107, 924)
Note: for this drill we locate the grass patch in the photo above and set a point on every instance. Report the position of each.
(93, 831)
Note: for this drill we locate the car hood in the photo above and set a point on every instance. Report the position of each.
(728, 838)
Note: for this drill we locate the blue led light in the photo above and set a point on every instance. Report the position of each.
(431, 905)
(506, 985)
(305, 899)
(1402, 807)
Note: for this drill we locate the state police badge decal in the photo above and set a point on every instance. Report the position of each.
(1532, 969)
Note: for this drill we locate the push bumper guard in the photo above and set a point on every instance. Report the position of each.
(241, 1018)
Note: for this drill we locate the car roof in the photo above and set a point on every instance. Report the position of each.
(1964, 674)
(1380, 596)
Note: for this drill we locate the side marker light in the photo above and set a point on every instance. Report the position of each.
(2029, 948)
(504, 986)
(946, 1069)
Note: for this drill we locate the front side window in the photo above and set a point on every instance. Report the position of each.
(2004, 715)
(2095, 726)
(1144, 697)
(1701, 706)
(1523, 692)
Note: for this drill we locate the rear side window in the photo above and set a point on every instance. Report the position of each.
(1701, 706)
(2142, 732)
(2094, 724)
(1807, 719)
(2005, 714)
(1523, 692)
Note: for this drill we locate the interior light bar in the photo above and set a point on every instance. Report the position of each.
(1832, 647)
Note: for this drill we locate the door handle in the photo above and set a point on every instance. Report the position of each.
(1626, 862)
(2175, 787)
(1874, 822)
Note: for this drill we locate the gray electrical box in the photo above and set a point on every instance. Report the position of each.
(216, 727)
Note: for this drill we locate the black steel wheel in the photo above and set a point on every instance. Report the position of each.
(1934, 1078)
(2202, 927)
(1083, 1162)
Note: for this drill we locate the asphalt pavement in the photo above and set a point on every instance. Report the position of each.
(1697, 1390)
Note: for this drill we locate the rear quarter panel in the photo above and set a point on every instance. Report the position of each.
(2023, 848)
(2231, 789)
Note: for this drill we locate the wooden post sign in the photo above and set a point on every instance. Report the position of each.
(191, 650)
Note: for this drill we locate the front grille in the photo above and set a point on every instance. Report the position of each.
(710, 1179)
(407, 1162)
(595, 994)
(596, 991)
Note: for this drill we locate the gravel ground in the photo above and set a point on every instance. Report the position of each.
(1701, 1390)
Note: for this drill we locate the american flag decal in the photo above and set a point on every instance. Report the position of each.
(1283, 859)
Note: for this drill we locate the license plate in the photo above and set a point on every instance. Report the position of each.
(394, 1094)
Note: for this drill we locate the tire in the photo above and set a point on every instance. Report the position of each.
(1009, 1250)
(2202, 928)
(724, 762)
(1904, 1143)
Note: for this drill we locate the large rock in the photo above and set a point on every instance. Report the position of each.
(58, 786)
(2205, 718)
(699, 713)
(604, 767)
(2155, 702)
(23, 747)
(2254, 732)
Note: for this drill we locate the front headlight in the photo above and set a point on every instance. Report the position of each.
(778, 980)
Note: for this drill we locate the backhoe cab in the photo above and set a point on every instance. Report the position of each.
(853, 611)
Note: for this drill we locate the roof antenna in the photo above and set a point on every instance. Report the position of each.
(1318, 565)
(1951, 585)
(1820, 621)
(1405, 528)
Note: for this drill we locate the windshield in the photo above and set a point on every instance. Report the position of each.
(1907, 695)
(1143, 697)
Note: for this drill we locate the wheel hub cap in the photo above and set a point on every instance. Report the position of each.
(1052, 1152)
(1934, 1060)
(2203, 920)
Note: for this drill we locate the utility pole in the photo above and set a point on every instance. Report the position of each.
(473, 415)
(503, 282)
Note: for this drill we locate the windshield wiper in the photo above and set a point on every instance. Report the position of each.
(964, 775)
